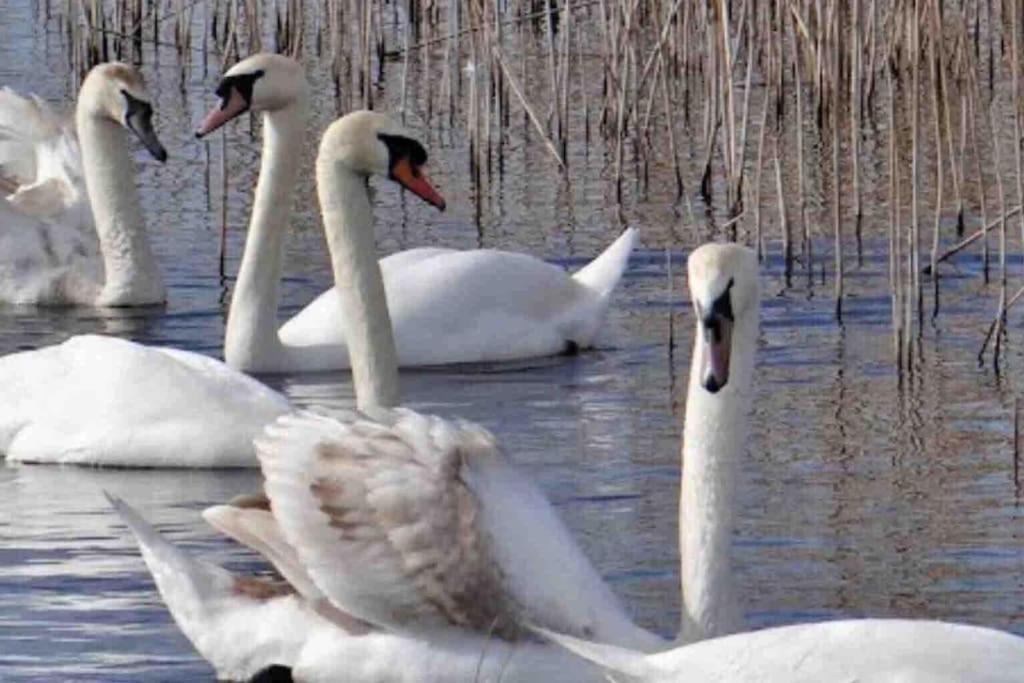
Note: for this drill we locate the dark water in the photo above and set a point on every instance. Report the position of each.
(864, 493)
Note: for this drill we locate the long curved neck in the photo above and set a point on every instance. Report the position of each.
(131, 273)
(714, 442)
(348, 220)
(251, 341)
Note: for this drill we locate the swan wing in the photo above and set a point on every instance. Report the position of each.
(410, 521)
(106, 401)
(381, 520)
(48, 247)
(40, 161)
(248, 520)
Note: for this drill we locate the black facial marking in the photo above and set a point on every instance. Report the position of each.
(721, 309)
(138, 118)
(401, 147)
(242, 83)
(136, 107)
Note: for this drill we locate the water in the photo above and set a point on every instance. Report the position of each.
(862, 494)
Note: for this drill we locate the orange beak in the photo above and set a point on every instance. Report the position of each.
(414, 180)
(229, 109)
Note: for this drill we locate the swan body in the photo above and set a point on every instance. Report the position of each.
(862, 650)
(446, 306)
(96, 400)
(71, 230)
(452, 306)
(244, 626)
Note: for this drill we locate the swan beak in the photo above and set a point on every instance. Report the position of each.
(230, 107)
(413, 179)
(140, 122)
(717, 331)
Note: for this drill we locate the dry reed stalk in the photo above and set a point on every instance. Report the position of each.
(936, 62)
(996, 327)
(806, 247)
(855, 120)
(838, 246)
(758, 237)
(972, 84)
(728, 104)
(1015, 78)
(895, 231)
(915, 172)
(514, 84)
(787, 249)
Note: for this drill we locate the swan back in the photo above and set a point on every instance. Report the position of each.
(864, 650)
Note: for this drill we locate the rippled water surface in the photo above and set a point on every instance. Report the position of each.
(862, 494)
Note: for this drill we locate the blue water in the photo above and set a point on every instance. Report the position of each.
(863, 494)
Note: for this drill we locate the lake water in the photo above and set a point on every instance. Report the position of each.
(864, 494)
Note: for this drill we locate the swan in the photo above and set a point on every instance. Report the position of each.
(71, 230)
(446, 306)
(352, 518)
(862, 650)
(106, 401)
(451, 548)
(723, 287)
(98, 400)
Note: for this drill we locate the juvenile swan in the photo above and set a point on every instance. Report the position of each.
(71, 230)
(411, 547)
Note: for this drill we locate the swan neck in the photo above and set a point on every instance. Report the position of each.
(714, 443)
(251, 341)
(348, 220)
(131, 272)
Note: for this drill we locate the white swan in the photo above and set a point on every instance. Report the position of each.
(96, 400)
(403, 539)
(71, 231)
(861, 650)
(105, 401)
(447, 306)
(723, 285)
(372, 525)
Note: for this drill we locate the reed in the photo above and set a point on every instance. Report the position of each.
(639, 85)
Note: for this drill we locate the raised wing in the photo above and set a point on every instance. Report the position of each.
(382, 520)
(40, 161)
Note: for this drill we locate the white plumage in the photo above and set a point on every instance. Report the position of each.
(451, 306)
(854, 650)
(71, 229)
(96, 400)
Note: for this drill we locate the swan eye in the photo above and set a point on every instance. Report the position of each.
(402, 147)
(722, 307)
(241, 83)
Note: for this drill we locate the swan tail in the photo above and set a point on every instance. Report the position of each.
(620, 663)
(234, 622)
(186, 584)
(602, 274)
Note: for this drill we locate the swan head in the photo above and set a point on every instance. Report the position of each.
(370, 143)
(264, 82)
(116, 92)
(725, 290)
